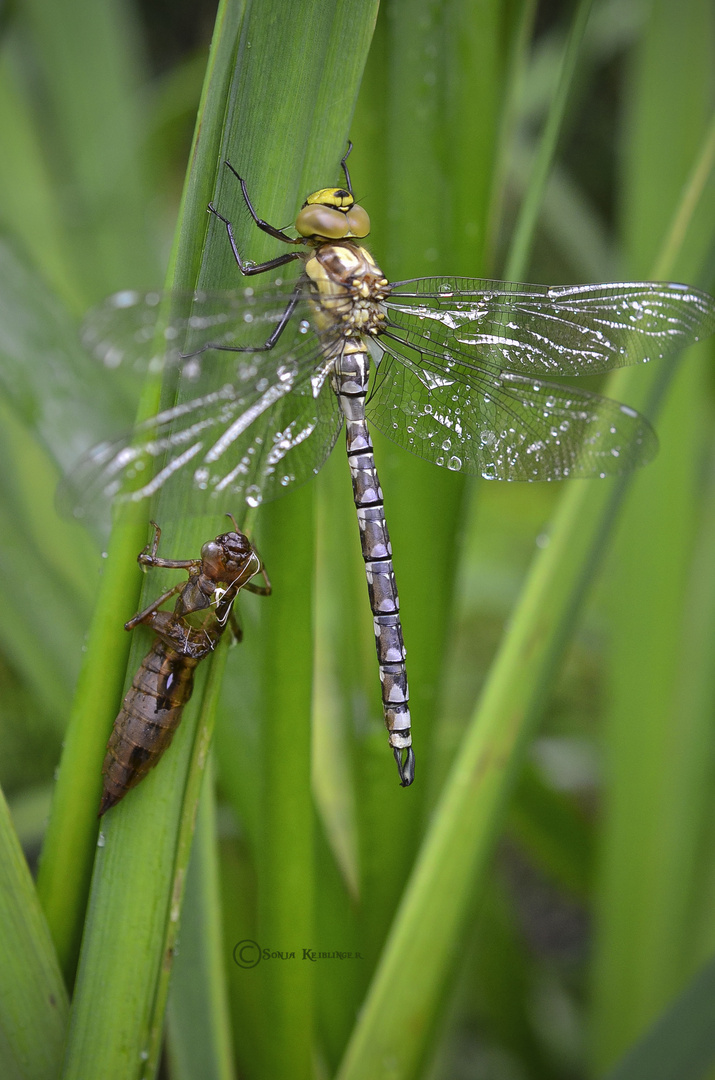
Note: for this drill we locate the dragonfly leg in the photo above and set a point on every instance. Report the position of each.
(145, 615)
(235, 626)
(264, 226)
(247, 269)
(260, 590)
(267, 345)
(149, 558)
(154, 543)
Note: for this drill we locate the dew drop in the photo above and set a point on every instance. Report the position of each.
(126, 299)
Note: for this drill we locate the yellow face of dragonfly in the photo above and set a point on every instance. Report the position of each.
(332, 214)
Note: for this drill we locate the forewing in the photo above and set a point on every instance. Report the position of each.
(139, 331)
(536, 330)
(507, 427)
(267, 424)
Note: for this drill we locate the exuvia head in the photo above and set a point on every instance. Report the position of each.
(228, 556)
(332, 214)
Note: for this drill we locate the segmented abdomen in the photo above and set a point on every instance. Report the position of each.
(350, 383)
(147, 720)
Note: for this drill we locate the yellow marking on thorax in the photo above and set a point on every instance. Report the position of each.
(346, 279)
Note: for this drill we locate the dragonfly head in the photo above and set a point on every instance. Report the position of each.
(332, 214)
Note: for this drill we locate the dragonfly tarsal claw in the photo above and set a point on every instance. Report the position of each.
(405, 768)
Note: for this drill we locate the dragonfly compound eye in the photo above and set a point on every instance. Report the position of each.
(322, 221)
(358, 221)
(326, 221)
(332, 213)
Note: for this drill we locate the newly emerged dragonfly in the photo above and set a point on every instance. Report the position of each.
(152, 709)
(459, 369)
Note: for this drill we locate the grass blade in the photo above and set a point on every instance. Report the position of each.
(248, 63)
(681, 1042)
(531, 206)
(656, 800)
(33, 1000)
(198, 1025)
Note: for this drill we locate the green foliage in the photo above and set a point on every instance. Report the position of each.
(463, 899)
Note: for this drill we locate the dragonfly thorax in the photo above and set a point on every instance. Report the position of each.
(349, 289)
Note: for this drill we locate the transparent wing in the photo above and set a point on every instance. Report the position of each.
(537, 330)
(454, 386)
(506, 427)
(138, 330)
(252, 424)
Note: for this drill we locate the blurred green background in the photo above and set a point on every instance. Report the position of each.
(589, 905)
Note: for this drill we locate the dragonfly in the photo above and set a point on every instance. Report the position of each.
(456, 370)
(154, 704)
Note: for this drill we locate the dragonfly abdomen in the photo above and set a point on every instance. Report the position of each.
(350, 384)
(149, 716)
